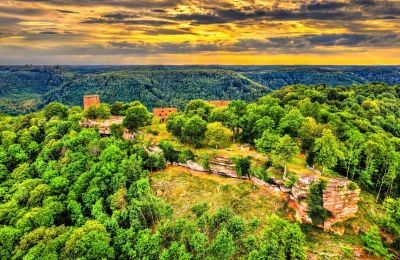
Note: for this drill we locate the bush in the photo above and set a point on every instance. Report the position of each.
(98, 112)
(372, 242)
(242, 165)
(170, 153)
(185, 156)
(315, 202)
(353, 186)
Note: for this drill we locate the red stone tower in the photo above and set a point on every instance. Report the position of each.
(162, 113)
(92, 100)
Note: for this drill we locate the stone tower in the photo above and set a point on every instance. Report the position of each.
(92, 100)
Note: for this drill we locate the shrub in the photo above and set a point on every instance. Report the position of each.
(315, 202)
(372, 242)
(242, 165)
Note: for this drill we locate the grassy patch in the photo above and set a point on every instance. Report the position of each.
(183, 188)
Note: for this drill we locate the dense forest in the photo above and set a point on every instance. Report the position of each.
(25, 89)
(67, 192)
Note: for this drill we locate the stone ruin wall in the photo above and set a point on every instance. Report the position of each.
(92, 100)
(162, 113)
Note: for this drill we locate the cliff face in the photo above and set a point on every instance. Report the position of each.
(340, 198)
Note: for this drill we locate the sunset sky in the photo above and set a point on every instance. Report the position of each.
(199, 32)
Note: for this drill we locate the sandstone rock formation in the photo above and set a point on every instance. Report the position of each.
(340, 198)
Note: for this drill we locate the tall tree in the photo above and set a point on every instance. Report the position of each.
(193, 130)
(137, 116)
(327, 150)
(284, 151)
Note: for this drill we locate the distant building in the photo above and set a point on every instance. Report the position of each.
(92, 100)
(219, 103)
(162, 113)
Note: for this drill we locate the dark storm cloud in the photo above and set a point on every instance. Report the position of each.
(114, 3)
(126, 18)
(14, 10)
(128, 22)
(66, 11)
(8, 21)
(329, 10)
(158, 11)
(163, 31)
(307, 43)
(167, 48)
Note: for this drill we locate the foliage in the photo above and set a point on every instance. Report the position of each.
(373, 243)
(392, 215)
(242, 165)
(101, 111)
(327, 149)
(137, 116)
(217, 135)
(317, 212)
(284, 151)
(193, 131)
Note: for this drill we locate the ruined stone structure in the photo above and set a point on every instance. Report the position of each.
(162, 113)
(219, 103)
(104, 127)
(339, 198)
(92, 100)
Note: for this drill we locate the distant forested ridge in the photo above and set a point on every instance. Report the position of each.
(25, 89)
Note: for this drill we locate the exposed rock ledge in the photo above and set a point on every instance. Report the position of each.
(338, 198)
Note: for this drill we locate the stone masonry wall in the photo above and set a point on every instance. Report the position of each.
(88, 101)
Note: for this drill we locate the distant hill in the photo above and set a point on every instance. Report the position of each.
(158, 88)
(26, 88)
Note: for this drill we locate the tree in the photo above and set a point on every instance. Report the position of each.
(175, 123)
(170, 153)
(327, 149)
(137, 116)
(354, 145)
(291, 123)
(309, 131)
(392, 215)
(223, 246)
(281, 240)
(193, 130)
(267, 141)
(101, 111)
(91, 241)
(242, 165)
(372, 242)
(217, 135)
(56, 109)
(119, 108)
(198, 107)
(284, 151)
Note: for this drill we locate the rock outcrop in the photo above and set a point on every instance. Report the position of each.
(340, 198)
(223, 166)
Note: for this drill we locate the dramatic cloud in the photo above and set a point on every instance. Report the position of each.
(200, 31)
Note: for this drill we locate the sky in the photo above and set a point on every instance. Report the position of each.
(342, 32)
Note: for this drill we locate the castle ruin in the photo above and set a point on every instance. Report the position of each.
(162, 113)
(91, 100)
